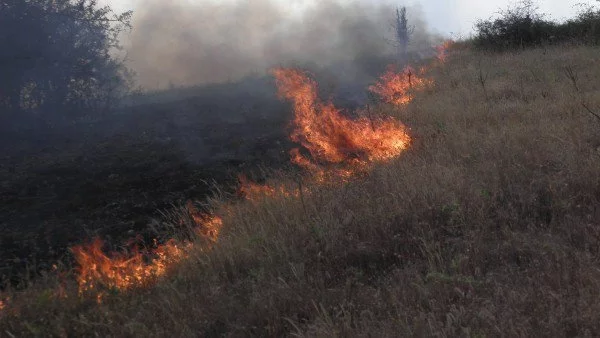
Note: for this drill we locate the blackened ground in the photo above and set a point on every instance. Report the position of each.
(111, 176)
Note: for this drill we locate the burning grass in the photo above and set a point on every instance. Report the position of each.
(255, 192)
(127, 270)
(487, 225)
(319, 127)
(443, 50)
(136, 267)
(330, 137)
(398, 87)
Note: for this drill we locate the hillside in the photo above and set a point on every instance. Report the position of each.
(486, 225)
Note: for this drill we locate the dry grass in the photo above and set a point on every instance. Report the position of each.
(488, 226)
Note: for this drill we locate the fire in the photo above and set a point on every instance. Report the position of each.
(254, 192)
(334, 146)
(137, 268)
(124, 271)
(207, 226)
(442, 50)
(328, 136)
(397, 87)
(2, 304)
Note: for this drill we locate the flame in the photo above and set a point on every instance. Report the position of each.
(138, 268)
(254, 192)
(331, 138)
(442, 50)
(6, 308)
(207, 226)
(124, 271)
(334, 147)
(396, 87)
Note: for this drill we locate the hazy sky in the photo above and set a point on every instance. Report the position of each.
(449, 17)
(187, 42)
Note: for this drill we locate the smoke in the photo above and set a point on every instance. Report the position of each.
(183, 43)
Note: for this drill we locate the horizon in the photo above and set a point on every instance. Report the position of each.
(453, 21)
(191, 42)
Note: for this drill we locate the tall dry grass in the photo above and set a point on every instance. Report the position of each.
(488, 226)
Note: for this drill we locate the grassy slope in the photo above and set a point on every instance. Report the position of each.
(488, 225)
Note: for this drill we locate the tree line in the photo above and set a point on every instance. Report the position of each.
(522, 25)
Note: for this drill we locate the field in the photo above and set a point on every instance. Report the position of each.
(487, 225)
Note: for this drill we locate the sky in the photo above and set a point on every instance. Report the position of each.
(189, 42)
(451, 18)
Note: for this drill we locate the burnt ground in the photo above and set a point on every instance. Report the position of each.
(111, 176)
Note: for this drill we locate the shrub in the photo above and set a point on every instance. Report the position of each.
(585, 27)
(523, 26)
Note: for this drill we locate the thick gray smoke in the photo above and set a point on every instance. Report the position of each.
(182, 43)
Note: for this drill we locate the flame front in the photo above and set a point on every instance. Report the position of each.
(338, 147)
(255, 192)
(207, 226)
(123, 271)
(397, 87)
(138, 268)
(442, 50)
(330, 137)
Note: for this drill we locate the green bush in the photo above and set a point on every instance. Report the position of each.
(584, 28)
(523, 26)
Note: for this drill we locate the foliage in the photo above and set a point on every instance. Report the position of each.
(57, 58)
(403, 31)
(523, 26)
(585, 27)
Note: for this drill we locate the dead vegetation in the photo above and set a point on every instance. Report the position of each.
(487, 225)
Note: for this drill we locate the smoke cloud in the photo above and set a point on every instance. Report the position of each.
(182, 43)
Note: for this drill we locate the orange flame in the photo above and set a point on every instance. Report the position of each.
(123, 271)
(330, 137)
(139, 268)
(6, 308)
(207, 226)
(442, 50)
(338, 147)
(255, 192)
(396, 87)
(252, 191)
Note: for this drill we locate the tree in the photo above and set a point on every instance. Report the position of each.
(57, 58)
(403, 32)
(518, 26)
